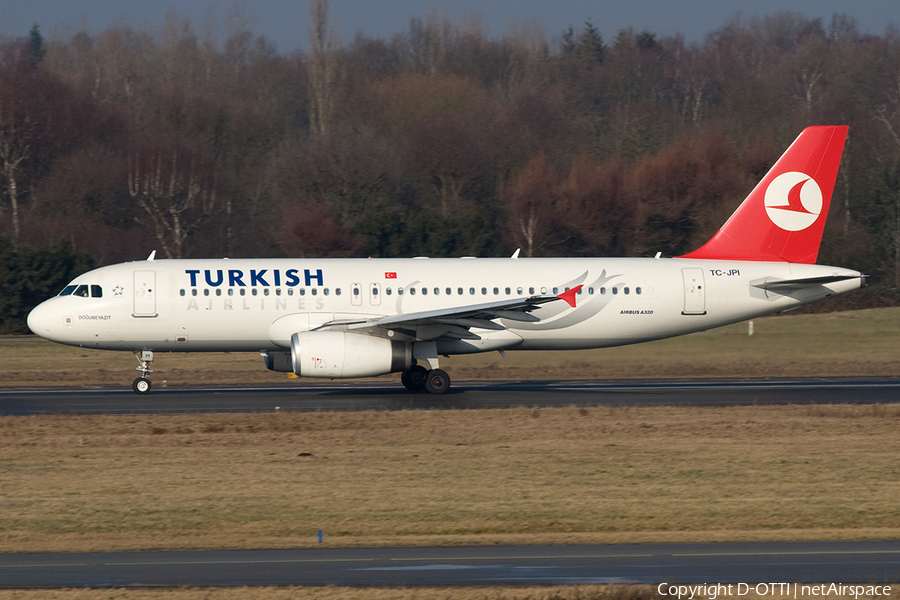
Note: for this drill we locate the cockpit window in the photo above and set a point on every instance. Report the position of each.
(96, 291)
(81, 290)
(67, 291)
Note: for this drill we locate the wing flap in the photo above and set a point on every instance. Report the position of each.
(451, 323)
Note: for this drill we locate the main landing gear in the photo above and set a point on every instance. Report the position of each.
(418, 379)
(141, 385)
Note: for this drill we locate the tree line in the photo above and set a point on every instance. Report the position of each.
(438, 141)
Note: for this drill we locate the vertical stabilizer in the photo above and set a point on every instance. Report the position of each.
(783, 217)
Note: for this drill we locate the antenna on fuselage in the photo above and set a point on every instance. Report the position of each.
(516, 253)
(152, 256)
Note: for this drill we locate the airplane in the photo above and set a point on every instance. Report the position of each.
(346, 318)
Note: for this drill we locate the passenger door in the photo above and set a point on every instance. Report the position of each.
(144, 294)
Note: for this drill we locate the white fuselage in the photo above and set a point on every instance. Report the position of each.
(257, 304)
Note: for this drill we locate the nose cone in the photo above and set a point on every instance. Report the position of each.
(42, 320)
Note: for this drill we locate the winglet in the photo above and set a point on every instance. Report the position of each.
(569, 295)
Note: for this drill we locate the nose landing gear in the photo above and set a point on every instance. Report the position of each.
(141, 385)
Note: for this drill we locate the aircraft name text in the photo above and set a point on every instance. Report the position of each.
(255, 277)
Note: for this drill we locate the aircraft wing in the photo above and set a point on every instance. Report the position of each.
(455, 322)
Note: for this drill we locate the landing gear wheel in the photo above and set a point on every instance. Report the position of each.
(414, 378)
(438, 382)
(141, 385)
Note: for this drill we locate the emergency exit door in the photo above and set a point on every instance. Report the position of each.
(144, 294)
(694, 292)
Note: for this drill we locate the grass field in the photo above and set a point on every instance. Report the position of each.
(518, 476)
(853, 343)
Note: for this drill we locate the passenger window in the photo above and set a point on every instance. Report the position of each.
(496, 291)
(507, 291)
(531, 291)
(325, 291)
(520, 291)
(399, 291)
(424, 291)
(265, 291)
(302, 292)
(181, 291)
(459, 291)
(412, 291)
(194, 292)
(277, 291)
(591, 291)
(603, 291)
(388, 291)
(231, 291)
(67, 291)
(243, 292)
(637, 291)
(375, 290)
(290, 292)
(543, 290)
(254, 291)
(82, 290)
(218, 292)
(96, 291)
(448, 291)
(314, 291)
(615, 290)
(337, 291)
(484, 291)
(627, 290)
(471, 291)
(555, 290)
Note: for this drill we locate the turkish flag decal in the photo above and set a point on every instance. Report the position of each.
(390, 275)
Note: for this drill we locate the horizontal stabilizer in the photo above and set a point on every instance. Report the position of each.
(795, 284)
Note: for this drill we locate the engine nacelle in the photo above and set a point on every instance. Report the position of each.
(340, 354)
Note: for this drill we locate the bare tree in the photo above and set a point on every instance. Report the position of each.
(14, 149)
(888, 114)
(16, 132)
(322, 69)
(531, 205)
(176, 190)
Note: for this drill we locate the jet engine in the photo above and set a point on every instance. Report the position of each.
(338, 354)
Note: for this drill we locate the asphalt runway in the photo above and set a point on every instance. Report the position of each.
(751, 563)
(389, 396)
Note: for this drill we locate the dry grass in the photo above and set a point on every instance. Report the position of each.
(853, 343)
(520, 476)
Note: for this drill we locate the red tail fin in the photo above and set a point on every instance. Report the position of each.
(784, 216)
